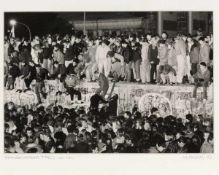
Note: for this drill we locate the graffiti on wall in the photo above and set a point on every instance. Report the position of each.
(174, 100)
(150, 100)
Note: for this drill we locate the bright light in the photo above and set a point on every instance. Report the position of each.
(13, 22)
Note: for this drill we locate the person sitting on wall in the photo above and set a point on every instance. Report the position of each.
(70, 82)
(167, 74)
(202, 79)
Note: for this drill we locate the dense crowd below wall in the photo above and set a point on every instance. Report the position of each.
(55, 129)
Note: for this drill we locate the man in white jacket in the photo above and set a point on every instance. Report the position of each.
(180, 48)
(103, 61)
(145, 64)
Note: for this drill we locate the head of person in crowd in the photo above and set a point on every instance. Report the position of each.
(178, 37)
(131, 38)
(170, 43)
(90, 42)
(199, 32)
(56, 64)
(127, 115)
(181, 142)
(160, 145)
(162, 43)
(38, 67)
(78, 39)
(57, 47)
(49, 39)
(184, 37)
(203, 67)
(124, 44)
(36, 40)
(148, 37)
(154, 40)
(112, 40)
(202, 41)
(189, 38)
(154, 111)
(37, 48)
(104, 43)
(164, 36)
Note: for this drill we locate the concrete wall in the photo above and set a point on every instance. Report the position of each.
(174, 100)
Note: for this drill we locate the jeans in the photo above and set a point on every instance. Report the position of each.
(137, 69)
(128, 72)
(167, 78)
(180, 68)
(194, 68)
(73, 92)
(153, 72)
(38, 90)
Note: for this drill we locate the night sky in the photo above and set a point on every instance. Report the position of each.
(41, 23)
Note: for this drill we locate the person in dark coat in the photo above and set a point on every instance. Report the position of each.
(25, 70)
(32, 74)
(202, 79)
(113, 105)
(194, 57)
(25, 55)
(46, 55)
(95, 100)
(13, 73)
(126, 53)
(69, 53)
(58, 71)
(137, 60)
(152, 56)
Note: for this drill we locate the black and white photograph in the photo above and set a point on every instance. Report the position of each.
(108, 82)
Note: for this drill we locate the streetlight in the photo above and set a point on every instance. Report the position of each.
(14, 22)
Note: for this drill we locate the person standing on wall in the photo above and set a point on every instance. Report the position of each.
(180, 48)
(202, 79)
(153, 58)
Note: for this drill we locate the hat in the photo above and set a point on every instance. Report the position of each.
(106, 42)
(203, 64)
(110, 53)
(58, 46)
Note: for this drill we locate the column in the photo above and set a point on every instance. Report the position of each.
(190, 23)
(159, 23)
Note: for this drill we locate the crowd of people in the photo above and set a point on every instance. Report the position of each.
(55, 129)
(183, 59)
(144, 59)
